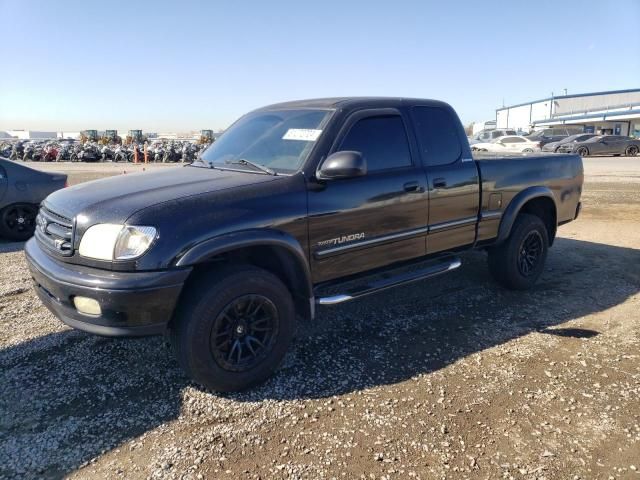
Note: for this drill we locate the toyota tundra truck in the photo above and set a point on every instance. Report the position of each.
(297, 206)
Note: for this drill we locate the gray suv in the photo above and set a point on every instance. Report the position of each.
(485, 136)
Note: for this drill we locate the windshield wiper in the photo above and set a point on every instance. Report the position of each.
(244, 161)
(200, 160)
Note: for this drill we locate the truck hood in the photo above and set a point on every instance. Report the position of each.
(115, 199)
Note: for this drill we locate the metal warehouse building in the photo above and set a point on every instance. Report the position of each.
(613, 113)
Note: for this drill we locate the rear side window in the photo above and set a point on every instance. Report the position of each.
(382, 142)
(513, 140)
(437, 133)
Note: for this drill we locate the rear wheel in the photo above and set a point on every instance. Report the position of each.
(233, 328)
(631, 151)
(582, 151)
(18, 221)
(518, 262)
(527, 150)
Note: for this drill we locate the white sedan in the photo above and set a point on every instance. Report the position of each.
(510, 143)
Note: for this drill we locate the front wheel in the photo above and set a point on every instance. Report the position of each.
(631, 151)
(233, 327)
(18, 221)
(517, 263)
(582, 151)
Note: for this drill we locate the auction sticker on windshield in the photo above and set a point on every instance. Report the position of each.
(303, 134)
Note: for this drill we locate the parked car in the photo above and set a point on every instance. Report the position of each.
(21, 191)
(604, 145)
(555, 146)
(510, 144)
(555, 134)
(294, 207)
(486, 136)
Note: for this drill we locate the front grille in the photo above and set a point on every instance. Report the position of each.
(55, 232)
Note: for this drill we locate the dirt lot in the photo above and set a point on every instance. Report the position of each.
(454, 378)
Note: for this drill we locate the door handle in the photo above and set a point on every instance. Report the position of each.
(439, 183)
(412, 187)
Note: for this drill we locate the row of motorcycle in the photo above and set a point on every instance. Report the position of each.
(52, 151)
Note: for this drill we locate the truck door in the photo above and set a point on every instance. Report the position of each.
(361, 223)
(454, 188)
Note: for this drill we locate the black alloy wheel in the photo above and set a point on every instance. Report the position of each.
(530, 253)
(18, 221)
(233, 326)
(244, 333)
(631, 151)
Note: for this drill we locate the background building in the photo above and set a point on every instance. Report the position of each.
(31, 134)
(479, 126)
(614, 112)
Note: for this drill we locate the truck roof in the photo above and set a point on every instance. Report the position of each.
(351, 102)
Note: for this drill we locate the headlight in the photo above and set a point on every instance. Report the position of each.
(108, 241)
(133, 241)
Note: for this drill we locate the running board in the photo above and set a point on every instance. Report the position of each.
(391, 281)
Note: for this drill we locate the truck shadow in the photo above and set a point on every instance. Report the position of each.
(68, 397)
(7, 246)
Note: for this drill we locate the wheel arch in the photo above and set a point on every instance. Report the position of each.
(537, 201)
(273, 250)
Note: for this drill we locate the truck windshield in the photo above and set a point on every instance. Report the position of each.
(278, 139)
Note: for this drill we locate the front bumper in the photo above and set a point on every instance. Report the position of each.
(132, 303)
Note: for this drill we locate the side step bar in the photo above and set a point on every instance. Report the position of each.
(391, 281)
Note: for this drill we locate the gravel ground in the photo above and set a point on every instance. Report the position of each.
(454, 378)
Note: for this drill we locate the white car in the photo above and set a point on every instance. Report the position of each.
(508, 144)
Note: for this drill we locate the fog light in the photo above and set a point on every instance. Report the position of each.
(88, 306)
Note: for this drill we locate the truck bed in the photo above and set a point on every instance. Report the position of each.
(505, 176)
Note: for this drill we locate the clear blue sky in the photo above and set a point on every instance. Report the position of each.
(162, 66)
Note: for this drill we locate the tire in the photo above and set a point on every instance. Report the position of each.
(582, 151)
(527, 150)
(18, 221)
(212, 309)
(507, 260)
(631, 151)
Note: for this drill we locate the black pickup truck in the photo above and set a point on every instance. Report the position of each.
(296, 205)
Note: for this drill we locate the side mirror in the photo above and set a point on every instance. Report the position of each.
(345, 164)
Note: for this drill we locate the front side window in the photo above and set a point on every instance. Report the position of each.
(437, 133)
(382, 141)
(513, 140)
(280, 140)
